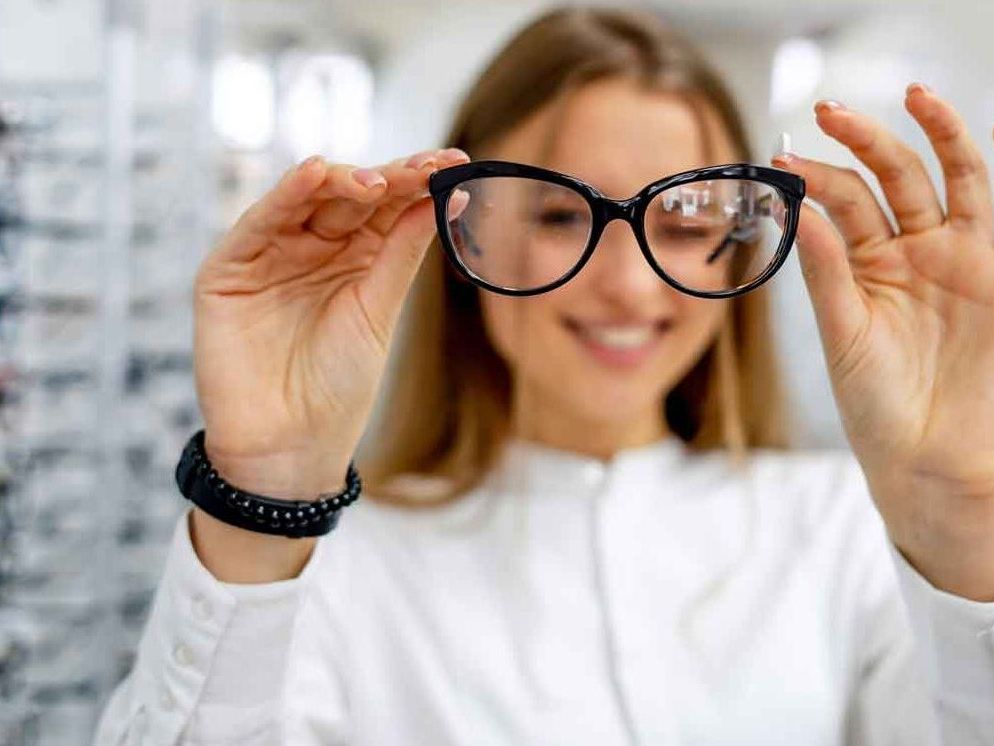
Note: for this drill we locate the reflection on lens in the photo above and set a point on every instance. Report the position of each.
(715, 235)
(520, 233)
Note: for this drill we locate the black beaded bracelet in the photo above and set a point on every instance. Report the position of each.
(199, 482)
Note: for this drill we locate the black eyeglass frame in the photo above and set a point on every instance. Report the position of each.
(790, 186)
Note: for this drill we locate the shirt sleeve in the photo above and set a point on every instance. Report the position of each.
(954, 638)
(211, 662)
(925, 658)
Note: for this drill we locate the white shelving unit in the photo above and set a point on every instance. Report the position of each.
(106, 195)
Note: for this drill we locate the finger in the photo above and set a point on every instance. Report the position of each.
(404, 183)
(288, 205)
(335, 218)
(394, 268)
(333, 181)
(344, 212)
(277, 208)
(835, 295)
(968, 191)
(845, 195)
(395, 265)
(406, 180)
(411, 177)
(898, 168)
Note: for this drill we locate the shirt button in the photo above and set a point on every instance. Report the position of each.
(592, 473)
(166, 699)
(201, 607)
(183, 655)
(141, 719)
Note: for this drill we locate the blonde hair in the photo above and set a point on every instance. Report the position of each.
(448, 401)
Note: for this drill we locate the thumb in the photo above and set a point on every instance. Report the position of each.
(838, 305)
(395, 266)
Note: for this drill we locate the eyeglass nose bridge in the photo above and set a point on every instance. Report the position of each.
(619, 209)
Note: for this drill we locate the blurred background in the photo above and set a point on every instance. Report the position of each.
(133, 133)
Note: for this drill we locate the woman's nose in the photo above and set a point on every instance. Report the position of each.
(618, 267)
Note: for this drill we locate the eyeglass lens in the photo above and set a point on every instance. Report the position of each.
(522, 234)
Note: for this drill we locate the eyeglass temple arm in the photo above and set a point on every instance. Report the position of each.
(764, 209)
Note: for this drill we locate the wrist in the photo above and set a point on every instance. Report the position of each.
(951, 544)
(288, 475)
(200, 482)
(967, 572)
(236, 555)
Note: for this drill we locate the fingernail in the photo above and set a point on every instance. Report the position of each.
(453, 153)
(420, 160)
(783, 159)
(782, 151)
(917, 86)
(368, 177)
(831, 104)
(308, 162)
(457, 203)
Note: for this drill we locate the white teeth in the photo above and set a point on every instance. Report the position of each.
(622, 337)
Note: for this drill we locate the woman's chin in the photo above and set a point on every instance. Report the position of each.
(610, 406)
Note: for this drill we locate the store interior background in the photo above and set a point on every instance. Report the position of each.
(133, 133)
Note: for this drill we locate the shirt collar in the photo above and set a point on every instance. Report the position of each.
(537, 467)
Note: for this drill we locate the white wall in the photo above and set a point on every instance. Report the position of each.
(869, 58)
(867, 67)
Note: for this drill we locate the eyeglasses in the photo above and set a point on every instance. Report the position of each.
(712, 232)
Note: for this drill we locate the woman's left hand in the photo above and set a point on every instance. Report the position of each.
(906, 320)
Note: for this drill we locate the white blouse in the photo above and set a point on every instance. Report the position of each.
(658, 598)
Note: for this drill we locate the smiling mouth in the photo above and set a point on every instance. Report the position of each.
(619, 337)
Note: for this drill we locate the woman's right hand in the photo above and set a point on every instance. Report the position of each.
(294, 312)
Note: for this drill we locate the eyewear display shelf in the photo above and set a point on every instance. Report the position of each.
(104, 213)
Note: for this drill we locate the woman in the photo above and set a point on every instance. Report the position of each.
(552, 546)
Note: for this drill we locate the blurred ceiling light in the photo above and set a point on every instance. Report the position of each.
(243, 102)
(329, 107)
(798, 65)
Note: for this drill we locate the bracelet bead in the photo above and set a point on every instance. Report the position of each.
(201, 483)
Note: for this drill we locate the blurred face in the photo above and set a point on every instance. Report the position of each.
(593, 360)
